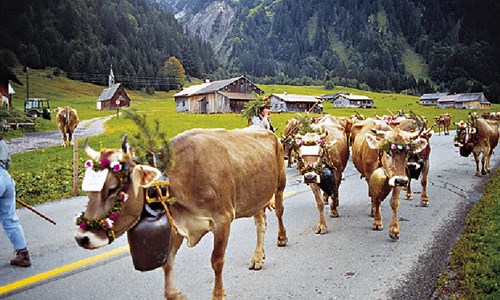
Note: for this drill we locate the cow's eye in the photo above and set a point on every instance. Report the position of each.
(112, 191)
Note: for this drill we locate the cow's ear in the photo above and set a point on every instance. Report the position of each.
(419, 144)
(145, 175)
(372, 141)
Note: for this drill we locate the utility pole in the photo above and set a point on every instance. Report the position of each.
(27, 83)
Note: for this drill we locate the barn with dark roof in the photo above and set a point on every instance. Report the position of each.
(223, 96)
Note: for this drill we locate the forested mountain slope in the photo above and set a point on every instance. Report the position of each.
(412, 46)
(85, 37)
(385, 44)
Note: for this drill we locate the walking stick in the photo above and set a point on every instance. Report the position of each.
(35, 211)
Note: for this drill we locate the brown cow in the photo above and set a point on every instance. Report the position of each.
(381, 157)
(479, 136)
(323, 160)
(219, 175)
(288, 140)
(67, 121)
(443, 120)
(418, 165)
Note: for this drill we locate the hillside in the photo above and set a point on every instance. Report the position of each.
(410, 46)
(84, 38)
(385, 44)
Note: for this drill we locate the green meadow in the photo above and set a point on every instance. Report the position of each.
(47, 174)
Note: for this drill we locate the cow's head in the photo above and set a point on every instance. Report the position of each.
(465, 138)
(396, 146)
(288, 139)
(310, 149)
(115, 189)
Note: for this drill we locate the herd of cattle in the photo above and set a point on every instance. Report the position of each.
(245, 175)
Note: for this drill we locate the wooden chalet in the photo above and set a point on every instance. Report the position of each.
(295, 103)
(213, 97)
(114, 96)
(6, 90)
(349, 100)
(465, 101)
(431, 99)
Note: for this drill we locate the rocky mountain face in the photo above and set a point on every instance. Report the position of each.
(212, 21)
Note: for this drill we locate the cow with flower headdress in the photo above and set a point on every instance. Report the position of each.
(323, 152)
(380, 153)
(243, 173)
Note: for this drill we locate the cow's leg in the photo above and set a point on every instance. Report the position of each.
(377, 214)
(484, 162)
(476, 159)
(221, 236)
(70, 137)
(394, 225)
(259, 253)
(279, 210)
(409, 193)
(335, 197)
(488, 158)
(334, 213)
(171, 292)
(64, 138)
(289, 165)
(321, 227)
(424, 199)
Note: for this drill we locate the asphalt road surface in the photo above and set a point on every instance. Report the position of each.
(351, 261)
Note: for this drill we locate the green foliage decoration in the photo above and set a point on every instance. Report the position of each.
(252, 108)
(150, 145)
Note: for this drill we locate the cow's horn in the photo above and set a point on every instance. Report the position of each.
(90, 152)
(124, 144)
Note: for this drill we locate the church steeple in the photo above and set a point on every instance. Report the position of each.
(111, 77)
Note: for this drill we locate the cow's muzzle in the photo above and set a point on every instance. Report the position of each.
(311, 177)
(398, 181)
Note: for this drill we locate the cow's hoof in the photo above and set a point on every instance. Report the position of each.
(218, 295)
(321, 229)
(334, 214)
(424, 203)
(378, 227)
(394, 236)
(409, 197)
(255, 265)
(174, 295)
(282, 241)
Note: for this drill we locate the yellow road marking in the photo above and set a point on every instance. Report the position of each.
(67, 268)
(54, 272)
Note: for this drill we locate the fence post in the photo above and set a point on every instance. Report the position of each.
(75, 167)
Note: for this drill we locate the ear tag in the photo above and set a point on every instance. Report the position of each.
(94, 181)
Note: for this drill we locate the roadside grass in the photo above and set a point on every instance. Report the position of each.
(473, 271)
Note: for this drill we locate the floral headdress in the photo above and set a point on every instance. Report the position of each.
(106, 223)
(389, 147)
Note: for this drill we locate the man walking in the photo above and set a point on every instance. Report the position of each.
(8, 216)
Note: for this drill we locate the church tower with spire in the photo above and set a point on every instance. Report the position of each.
(111, 77)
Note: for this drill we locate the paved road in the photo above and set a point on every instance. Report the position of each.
(36, 140)
(351, 261)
